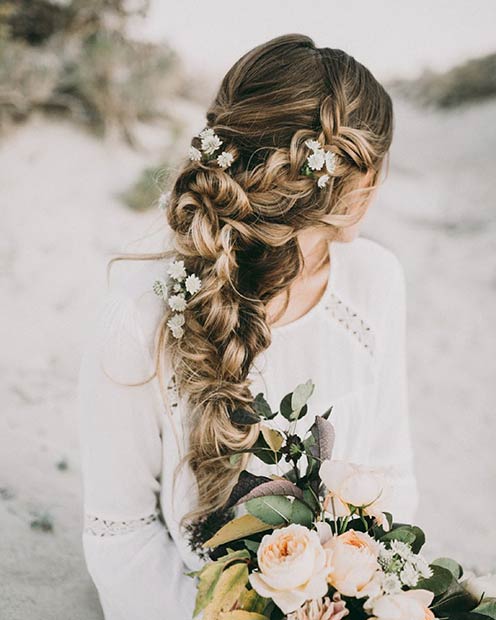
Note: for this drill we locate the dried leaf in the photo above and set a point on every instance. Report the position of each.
(237, 528)
(280, 486)
(227, 591)
(273, 438)
(324, 434)
(246, 482)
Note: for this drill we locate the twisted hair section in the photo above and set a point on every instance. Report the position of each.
(237, 228)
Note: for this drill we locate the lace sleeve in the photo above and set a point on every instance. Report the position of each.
(391, 444)
(134, 564)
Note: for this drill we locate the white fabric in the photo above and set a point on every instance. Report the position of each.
(351, 344)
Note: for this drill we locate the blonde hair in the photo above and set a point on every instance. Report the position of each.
(236, 228)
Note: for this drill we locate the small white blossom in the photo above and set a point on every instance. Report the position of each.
(422, 566)
(177, 288)
(177, 302)
(323, 180)
(176, 320)
(192, 283)
(210, 144)
(330, 161)
(409, 576)
(194, 154)
(176, 270)
(208, 132)
(177, 332)
(390, 584)
(160, 288)
(402, 549)
(316, 160)
(225, 159)
(313, 144)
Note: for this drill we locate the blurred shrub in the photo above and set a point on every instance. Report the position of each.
(474, 80)
(77, 58)
(144, 193)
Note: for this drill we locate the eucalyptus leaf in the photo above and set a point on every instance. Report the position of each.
(453, 566)
(301, 513)
(264, 452)
(402, 533)
(273, 510)
(262, 407)
(438, 583)
(244, 417)
(301, 395)
(487, 607)
(455, 599)
(285, 407)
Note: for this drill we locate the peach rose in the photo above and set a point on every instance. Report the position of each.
(354, 569)
(293, 567)
(355, 485)
(406, 605)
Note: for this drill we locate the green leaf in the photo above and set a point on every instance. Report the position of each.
(455, 599)
(301, 395)
(453, 566)
(403, 533)
(439, 582)
(285, 406)
(252, 601)
(251, 545)
(236, 529)
(487, 607)
(419, 541)
(301, 513)
(244, 417)
(273, 509)
(262, 407)
(264, 452)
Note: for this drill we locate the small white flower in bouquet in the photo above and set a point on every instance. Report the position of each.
(318, 542)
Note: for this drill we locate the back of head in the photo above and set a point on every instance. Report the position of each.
(235, 227)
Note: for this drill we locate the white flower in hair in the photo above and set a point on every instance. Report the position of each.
(316, 160)
(313, 144)
(210, 144)
(208, 132)
(177, 302)
(194, 154)
(225, 159)
(176, 270)
(330, 161)
(177, 332)
(323, 180)
(192, 283)
(176, 320)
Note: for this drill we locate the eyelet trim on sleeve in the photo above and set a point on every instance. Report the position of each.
(349, 319)
(105, 527)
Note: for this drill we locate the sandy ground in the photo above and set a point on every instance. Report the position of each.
(62, 221)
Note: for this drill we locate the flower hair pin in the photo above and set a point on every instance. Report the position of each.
(316, 161)
(210, 143)
(176, 291)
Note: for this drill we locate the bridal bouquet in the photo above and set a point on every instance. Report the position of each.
(318, 543)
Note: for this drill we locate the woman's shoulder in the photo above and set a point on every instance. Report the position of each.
(369, 274)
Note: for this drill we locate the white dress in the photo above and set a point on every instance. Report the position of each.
(351, 344)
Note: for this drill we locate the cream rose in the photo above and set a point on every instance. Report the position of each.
(293, 567)
(355, 485)
(476, 586)
(354, 569)
(406, 605)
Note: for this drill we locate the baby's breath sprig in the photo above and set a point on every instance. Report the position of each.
(316, 161)
(176, 290)
(210, 143)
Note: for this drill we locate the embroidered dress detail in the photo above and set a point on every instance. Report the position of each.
(106, 527)
(347, 317)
